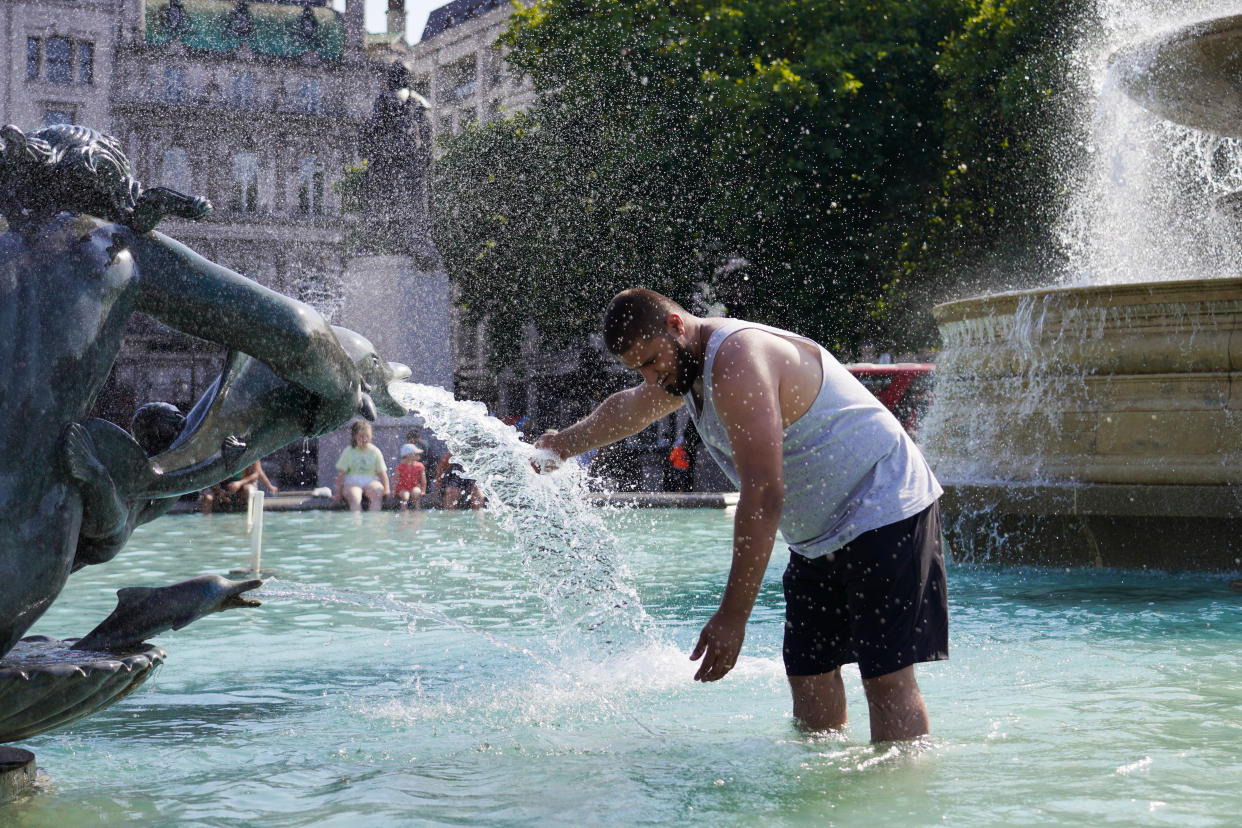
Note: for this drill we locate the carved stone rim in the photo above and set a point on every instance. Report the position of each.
(36, 698)
(1180, 291)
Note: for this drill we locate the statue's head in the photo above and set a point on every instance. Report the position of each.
(375, 372)
(156, 426)
(396, 76)
(73, 168)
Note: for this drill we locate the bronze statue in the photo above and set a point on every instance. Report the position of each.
(142, 612)
(396, 143)
(78, 256)
(246, 414)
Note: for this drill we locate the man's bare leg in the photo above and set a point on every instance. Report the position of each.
(896, 705)
(819, 701)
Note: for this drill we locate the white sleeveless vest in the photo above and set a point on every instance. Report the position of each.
(849, 466)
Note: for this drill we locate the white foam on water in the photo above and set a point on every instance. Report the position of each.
(639, 693)
(1141, 765)
(537, 700)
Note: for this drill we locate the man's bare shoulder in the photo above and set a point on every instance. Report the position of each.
(747, 362)
(753, 349)
(755, 368)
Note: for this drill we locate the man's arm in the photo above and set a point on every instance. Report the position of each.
(621, 415)
(747, 396)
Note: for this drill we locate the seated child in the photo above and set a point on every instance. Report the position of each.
(235, 492)
(411, 477)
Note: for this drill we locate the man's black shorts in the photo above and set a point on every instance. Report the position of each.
(880, 600)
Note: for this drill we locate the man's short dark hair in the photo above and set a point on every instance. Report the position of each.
(636, 314)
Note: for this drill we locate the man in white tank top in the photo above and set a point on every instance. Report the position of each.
(817, 456)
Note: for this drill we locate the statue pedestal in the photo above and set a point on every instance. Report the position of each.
(405, 312)
(17, 772)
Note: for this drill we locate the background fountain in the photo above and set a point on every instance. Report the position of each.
(1102, 423)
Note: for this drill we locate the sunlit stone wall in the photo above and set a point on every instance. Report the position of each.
(1112, 384)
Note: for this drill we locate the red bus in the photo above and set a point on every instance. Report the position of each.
(903, 387)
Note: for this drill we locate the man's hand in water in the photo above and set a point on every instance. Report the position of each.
(719, 646)
(548, 455)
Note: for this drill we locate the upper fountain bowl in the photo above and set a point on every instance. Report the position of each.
(1191, 76)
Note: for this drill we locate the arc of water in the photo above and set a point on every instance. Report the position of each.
(567, 550)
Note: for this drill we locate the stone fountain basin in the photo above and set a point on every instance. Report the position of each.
(1131, 384)
(45, 685)
(1093, 425)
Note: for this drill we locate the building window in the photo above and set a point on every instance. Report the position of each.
(86, 62)
(245, 196)
(59, 60)
(243, 90)
(460, 79)
(174, 84)
(55, 57)
(175, 172)
(33, 54)
(52, 117)
(309, 98)
(310, 187)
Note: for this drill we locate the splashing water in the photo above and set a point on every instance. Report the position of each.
(274, 588)
(567, 551)
(1146, 206)
(1153, 201)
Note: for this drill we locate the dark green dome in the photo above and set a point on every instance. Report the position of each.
(268, 28)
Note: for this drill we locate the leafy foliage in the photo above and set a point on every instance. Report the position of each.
(1011, 146)
(820, 143)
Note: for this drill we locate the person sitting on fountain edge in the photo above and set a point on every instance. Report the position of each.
(813, 452)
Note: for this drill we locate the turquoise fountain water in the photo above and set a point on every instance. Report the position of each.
(502, 668)
(434, 685)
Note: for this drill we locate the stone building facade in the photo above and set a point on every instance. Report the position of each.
(256, 105)
(58, 58)
(457, 67)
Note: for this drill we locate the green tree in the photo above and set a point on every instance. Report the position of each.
(805, 138)
(1011, 147)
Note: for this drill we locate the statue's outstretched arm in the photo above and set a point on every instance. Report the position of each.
(196, 296)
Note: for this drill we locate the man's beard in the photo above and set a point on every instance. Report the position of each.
(689, 366)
